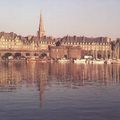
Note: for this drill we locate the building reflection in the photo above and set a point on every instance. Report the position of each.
(42, 75)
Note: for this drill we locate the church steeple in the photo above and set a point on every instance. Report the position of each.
(41, 32)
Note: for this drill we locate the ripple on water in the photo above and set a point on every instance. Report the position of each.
(44, 91)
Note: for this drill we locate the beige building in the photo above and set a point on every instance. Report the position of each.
(99, 47)
(70, 46)
(116, 49)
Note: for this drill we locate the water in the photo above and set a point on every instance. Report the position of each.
(45, 91)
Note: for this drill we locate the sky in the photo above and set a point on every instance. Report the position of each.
(92, 18)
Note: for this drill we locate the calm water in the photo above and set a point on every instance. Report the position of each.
(44, 91)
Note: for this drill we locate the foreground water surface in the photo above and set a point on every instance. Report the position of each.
(44, 91)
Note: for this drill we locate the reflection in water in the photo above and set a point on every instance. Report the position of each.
(16, 76)
(13, 75)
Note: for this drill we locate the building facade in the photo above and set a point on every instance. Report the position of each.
(79, 47)
(71, 47)
(116, 49)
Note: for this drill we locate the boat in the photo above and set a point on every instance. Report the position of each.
(43, 61)
(32, 60)
(51, 60)
(109, 61)
(113, 61)
(80, 61)
(98, 61)
(63, 60)
(116, 61)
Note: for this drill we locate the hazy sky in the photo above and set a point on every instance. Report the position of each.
(62, 17)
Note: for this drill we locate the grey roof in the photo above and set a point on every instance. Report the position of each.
(10, 35)
(82, 39)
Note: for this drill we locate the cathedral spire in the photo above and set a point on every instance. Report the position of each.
(41, 32)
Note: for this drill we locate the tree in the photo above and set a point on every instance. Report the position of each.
(6, 55)
(43, 55)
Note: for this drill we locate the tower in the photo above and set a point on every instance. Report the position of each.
(41, 32)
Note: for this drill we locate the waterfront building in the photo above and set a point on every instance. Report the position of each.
(9, 41)
(69, 47)
(57, 52)
(79, 47)
(116, 49)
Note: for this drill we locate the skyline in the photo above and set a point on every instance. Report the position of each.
(89, 18)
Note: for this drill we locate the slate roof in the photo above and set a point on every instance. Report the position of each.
(10, 35)
(50, 40)
(82, 39)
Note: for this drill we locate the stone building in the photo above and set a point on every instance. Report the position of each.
(58, 52)
(11, 41)
(71, 47)
(27, 46)
(79, 47)
(68, 52)
(116, 49)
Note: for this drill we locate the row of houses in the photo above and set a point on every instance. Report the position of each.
(12, 41)
(79, 47)
(116, 48)
(68, 46)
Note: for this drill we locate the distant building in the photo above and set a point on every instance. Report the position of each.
(78, 47)
(68, 52)
(116, 48)
(71, 47)
(11, 41)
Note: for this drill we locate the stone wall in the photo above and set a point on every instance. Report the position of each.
(68, 52)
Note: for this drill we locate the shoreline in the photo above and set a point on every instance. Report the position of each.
(77, 61)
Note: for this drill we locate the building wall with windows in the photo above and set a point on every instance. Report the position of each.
(58, 52)
(69, 46)
(116, 49)
(97, 47)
